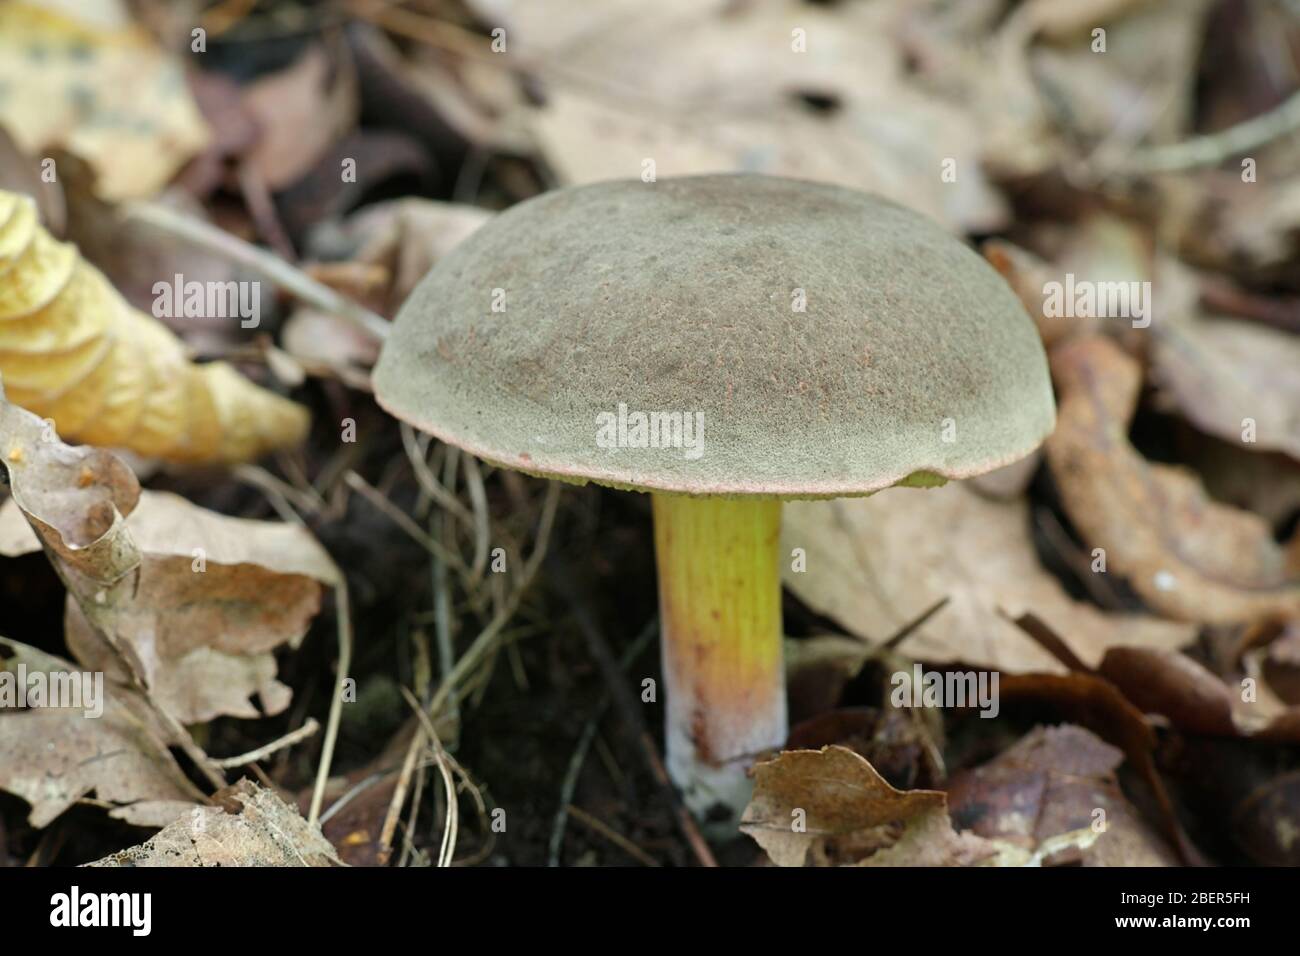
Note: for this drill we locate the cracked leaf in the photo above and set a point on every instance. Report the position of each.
(54, 757)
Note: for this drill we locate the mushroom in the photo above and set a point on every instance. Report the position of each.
(722, 342)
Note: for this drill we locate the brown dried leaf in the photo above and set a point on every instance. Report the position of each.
(1265, 483)
(250, 826)
(301, 111)
(1224, 373)
(1195, 700)
(199, 599)
(1055, 781)
(833, 800)
(53, 757)
(874, 564)
(1189, 557)
(712, 86)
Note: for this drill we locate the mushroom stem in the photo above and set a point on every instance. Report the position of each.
(720, 615)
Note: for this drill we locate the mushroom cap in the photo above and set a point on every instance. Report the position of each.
(910, 362)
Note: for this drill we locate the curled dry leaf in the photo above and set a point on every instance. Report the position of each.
(874, 564)
(1233, 379)
(199, 600)
(53, 757)
(1057, 780)
(73, 350)
(1195, 700)
(249, 826)
(106, 92)
(830, 807)
(1189, 557)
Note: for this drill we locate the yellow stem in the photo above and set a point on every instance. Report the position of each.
(720, 612)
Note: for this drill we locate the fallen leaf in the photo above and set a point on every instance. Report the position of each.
(1057, 780)
(830, 807)
(1189, 557)
(1097, 705)
(1142, 88)
(105, 92)
(73, 350)
(897, 743)
(1247, 230)
(709, 87)
(1193, 699)
(874, 564)
(54, 757)
(200, 600)
(206, 638)
(401, 240)
(301, 111)
(250, 826)
(1265, 483)
(1236, 380)
(804, 798)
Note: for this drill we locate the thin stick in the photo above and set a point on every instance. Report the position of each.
(633, 718)
(482, 528)
(448, 849)
(261, 753)
(486, 640)
(442, 591)
(428, 482)
(910, 627)
(483, 644)
(588, 736)
(399, 794)
(1214, 148)
(343, 608)
(400, 518)
(283, 496)
(612, 835)
(280, 273)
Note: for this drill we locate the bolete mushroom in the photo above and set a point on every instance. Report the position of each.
(722, 342)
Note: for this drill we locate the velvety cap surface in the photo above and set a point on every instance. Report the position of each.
(729, 334)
